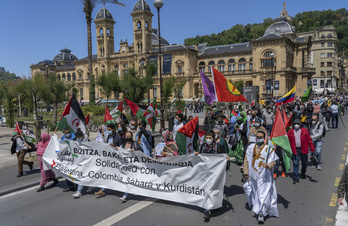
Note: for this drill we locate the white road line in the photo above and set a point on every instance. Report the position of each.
(125, 213)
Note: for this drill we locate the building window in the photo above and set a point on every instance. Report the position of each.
(139, 25)
(179, 69)
(323, 44)
(80, 76)
(155, 92)
(221, 65)
(322, 36)
(231, 65)
(202, 66)
(108, 32)
(329, 44)
(322, 73)
(329, 35)
(329, 55)
(268, 62)
(329, 72)
(69, 77)
(58, 77)
(101, 32)
(242, 64)
(125, 65)
(63, 78)
(322, 55)
(81, 93)
(322, 64)
(251, 64)
(211, 63)
(74, 77)
(329, 64)
(89, 76)
(322, 83)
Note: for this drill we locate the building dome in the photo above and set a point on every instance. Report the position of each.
(65, 56)
(141, 5)
(280, 27)
(155, 39)
(104, 14)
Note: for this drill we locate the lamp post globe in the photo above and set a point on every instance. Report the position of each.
(158, 4)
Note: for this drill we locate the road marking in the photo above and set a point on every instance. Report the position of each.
(344, 156)
(346, 143)
(345, 149)
(328, 221)
(333, 199)
(341, 166)
(125, 213)
(337, 181)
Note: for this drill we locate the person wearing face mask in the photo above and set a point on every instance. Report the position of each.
(101, 135)
(208, 120)
(234, 115)
(210, 146)
(130, 145)
(268, 120)
(257, 170)
(121, 129)
(68, 135)
(253, 130)
(316, 132)
(221, 127)
(133, 127)
(316, 108)
(300, 142)
(170, 148)
(177, 124)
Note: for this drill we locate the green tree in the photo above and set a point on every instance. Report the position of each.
(108, 84)
(179, 85)
(10, 94)
(168, 89)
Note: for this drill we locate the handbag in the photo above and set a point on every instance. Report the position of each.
(314, 160)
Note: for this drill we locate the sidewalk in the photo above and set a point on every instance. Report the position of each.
(342, 211)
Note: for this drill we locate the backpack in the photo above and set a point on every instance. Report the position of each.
(324, 130)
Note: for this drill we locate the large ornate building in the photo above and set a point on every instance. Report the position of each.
(280, 55)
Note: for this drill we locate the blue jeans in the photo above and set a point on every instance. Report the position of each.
(269, 129)
(334, 118)
(318, 147)
(296, 163)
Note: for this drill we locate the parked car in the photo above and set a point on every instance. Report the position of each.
(2, 121)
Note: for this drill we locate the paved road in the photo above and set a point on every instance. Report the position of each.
(311, 202)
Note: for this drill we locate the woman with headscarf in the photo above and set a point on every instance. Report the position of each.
(170, 148)
(46, 175)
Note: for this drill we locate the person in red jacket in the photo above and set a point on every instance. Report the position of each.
(300, 142)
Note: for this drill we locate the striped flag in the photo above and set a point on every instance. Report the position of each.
(117, 111)
(151, 115)
(107, 117)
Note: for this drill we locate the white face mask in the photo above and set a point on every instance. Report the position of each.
(297, 126)
(209, 141)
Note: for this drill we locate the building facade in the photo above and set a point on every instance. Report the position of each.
(275, 62)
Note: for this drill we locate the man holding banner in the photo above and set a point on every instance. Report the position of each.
(21, 150)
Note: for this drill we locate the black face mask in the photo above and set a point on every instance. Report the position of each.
(129, 139)
(239, 121)
(100, 131)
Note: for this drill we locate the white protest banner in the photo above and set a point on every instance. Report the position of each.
(190, 179)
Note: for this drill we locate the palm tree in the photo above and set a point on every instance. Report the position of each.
(88, 6)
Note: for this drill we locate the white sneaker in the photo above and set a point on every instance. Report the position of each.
(124, 198)
(313, 167)
(77, 194)
(319, 167)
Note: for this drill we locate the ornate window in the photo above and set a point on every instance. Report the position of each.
(108, 32)
(63, 78)
(101, 32)
(251, 64)
(139, 25)
(221, 65)
(74, 76)
(268, 60)
(211, 63)
(125, 65)
(202, 66)
(69, 77)
(58, 77)
(242, 64)
(231, 65)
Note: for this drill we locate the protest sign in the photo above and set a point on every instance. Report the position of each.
(191, 179)
(159, 148)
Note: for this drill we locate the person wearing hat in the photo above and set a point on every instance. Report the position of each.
(21, 148)
(300, 142)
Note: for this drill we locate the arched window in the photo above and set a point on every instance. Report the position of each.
(69, 77)
(231, 65)
(125, 65)
(63, 78)
(242, 64)
(108, 32)
(74, 76)
(58, 77)
(146, 25)
(211, 63)
(221, 65)
(251, 64)
(101, 32)
(268, 60)
(139, 25)
(202, 66)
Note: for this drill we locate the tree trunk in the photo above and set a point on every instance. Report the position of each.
(88, 12)
(54, 118)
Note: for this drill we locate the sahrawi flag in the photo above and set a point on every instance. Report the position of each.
(280, 138)
(151, 115)
(107, 117)
(225, 91)
(26, 134)
(189, 137)
(117, 111)
(137, 111)
(72, 117)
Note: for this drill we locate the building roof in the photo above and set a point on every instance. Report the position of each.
(86, 58)
(64, 55)
(232, 48)
(65, 67)
(141, 5)
(270, 36)
(104, 14)
(281, 26)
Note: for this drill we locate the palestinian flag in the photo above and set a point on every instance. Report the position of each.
(189, 137)
(72, 117)
(137, 111)
(280, 138)
(117, 111)
(107, 117)
(151, 115)
(225, 91)
(234, 113)
(287, 121)
(26, 134)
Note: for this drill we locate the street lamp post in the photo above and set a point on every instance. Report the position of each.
(324, 81)
(158, 5)
(272, 84)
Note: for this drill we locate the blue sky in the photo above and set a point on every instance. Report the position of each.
(35, 30)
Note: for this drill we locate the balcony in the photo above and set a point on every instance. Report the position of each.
(291, 69)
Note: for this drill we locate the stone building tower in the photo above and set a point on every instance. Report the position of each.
(142, 27)
(104, 24)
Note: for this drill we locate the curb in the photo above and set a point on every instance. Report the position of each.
(21, 187)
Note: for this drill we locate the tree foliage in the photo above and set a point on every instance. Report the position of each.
(108, 84)
(7, 76)
(168, 89)
(303, 22)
